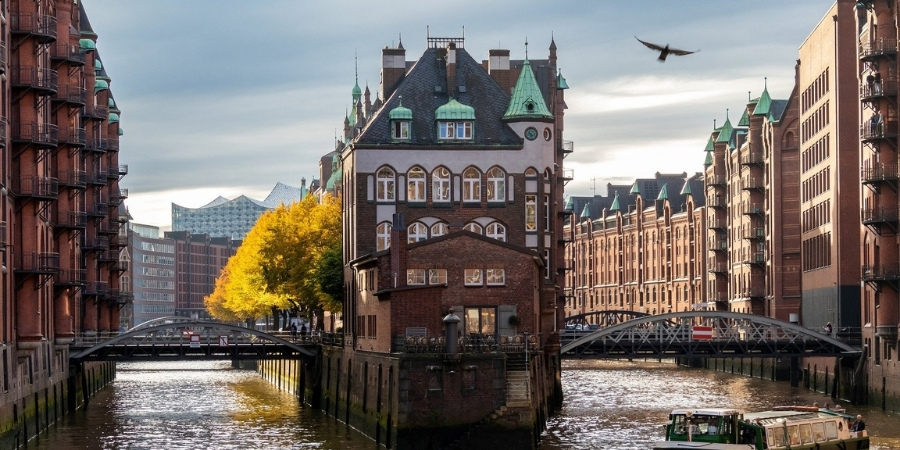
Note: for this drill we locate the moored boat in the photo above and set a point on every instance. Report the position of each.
(792, 427)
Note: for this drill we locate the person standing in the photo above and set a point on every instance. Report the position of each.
(859, 425)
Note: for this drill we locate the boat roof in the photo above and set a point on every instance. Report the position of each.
(769, 417)
(709, 411)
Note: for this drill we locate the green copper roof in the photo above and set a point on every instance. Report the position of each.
(570, 203)
(111, 103)
(121, 131)
(615, 203)
(745, 120)
(710, 144)
(765, 102)
(454, 110)
(87, 45)
(401, 113)
(97, 64)
(636, 188)
(104, 78)
(725, 131)
(527, 101)
(709, 159)
(100, 85)
(561, 82)
(586, 212)
(113, 117)
(663, 193)
(686, 190)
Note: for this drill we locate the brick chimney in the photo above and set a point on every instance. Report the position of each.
(393, 69)
(498, 67)
(398, 252)
(450, 57)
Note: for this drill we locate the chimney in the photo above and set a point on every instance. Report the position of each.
(398, 251)
(498, 67)
(393, 69)
(450, 57)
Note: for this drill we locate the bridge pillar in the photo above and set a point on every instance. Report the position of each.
(795, 371)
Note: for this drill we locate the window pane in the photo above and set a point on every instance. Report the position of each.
(439, 229)
(441, 185)
(437, 276)
(415, 276)
(530, 213)
(496, 276)
(487, 320)
(473, 277)
(472, 316)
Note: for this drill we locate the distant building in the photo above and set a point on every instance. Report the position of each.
(199, 259)
(152, 274)
(233, 218)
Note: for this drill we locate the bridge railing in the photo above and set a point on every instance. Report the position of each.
(470, 343)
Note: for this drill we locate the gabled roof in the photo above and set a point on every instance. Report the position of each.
(424, 90)
(776, 111)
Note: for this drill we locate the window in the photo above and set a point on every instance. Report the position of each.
(530, 213)
(546, 213)
(471, 185)
(415, 276)
(496, 185)
(385, 180)
(497, 231)
(464, 130)
(383, 236)
(415, 191)
(439, 229)
(400, 129)
(440, 187)
(416, 232)
(495, 277)
(455, 130)
(437, 276)
(473, 227)
(473, 277)
(481, 320)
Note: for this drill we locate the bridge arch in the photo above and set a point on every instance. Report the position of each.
(167, 341)
(603, 318)
(732, 335)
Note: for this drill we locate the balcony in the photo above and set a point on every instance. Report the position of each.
(716, 223)
(881, 173)
(118, 195)
(73, 54)
(752, 183)
(715, 180)
(885, 88)
(75, 220)
(76, 95)
(756, 259)
(716, 202)
(95, 288)
(751, 209)
(119, 266)
(754, 233)
(95, 112)
(73, 136)
(97, 178)
(566, 175)
(753, 294)
(752, 159)
(872, 132)
(95, 244)
(44, 134)
(70, 278)
(41, 26)
(718, 268)
(120, 217)
(41, 188)
(718, 245)
(108, 228)
(45, 81)
(95, 146)
(870, 51)
(115, 172)
(566, 147)
(881, 274)
(882, 221)
(37, 263)
(3, 57)
(717, 296)
(108, 256)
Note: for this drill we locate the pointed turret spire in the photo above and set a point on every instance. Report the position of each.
(527, 102)
(765, 102)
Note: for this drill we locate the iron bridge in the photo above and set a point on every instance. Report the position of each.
(697, 334)
(181, 339)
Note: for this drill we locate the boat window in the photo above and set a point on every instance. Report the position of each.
(679, 424)
(818, 430)
(793, 432)
(776, 437)
(830, 430)
(805, 434)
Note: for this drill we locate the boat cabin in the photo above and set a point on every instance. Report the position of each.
(704, 425)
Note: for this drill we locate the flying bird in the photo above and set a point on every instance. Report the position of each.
(665, 51)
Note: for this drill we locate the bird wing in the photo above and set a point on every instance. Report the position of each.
(678, 52)
(650, 45)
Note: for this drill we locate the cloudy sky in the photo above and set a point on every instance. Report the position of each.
(228, 97)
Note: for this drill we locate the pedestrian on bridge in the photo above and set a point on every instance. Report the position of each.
(293, 330)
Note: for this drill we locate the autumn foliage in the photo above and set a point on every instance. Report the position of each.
(278, 267)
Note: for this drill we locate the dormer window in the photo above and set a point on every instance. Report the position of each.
(401, 118)
(455, 130)
(400, 130)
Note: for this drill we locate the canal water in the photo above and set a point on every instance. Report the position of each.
(608, 405)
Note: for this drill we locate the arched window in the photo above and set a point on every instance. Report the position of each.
(383, 236)
(471, 185)
(385, 180)
(415, 191)
(496, 185)
(497, 231)
(473, 227)
(439, 229)
(417, 231)
(530, 173)
(440, 185)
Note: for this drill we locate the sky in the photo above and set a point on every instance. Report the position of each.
(229, 97)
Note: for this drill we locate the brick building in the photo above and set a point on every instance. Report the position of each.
(59, 140)
(462, 162)
(198, 261)
(639, 248)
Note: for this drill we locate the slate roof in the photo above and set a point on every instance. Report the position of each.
(420, 95)
(676, 186)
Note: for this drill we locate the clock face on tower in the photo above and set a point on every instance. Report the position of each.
(531, 133)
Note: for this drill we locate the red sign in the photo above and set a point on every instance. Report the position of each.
(702, 333)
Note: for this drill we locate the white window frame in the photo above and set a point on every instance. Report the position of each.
(415, 185)
(474, 277)
(383, 236)
(495, 277)
(415, 276)
(496, 230)
(439, 229)
(530, 212)
(546, 213)
(496, 185)
(417, 231)
(471, 185)
(464, 130)
(437, 276)
(447, 130)
(474, 227)
(440, 184)
(400, 130)
(385, 183)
